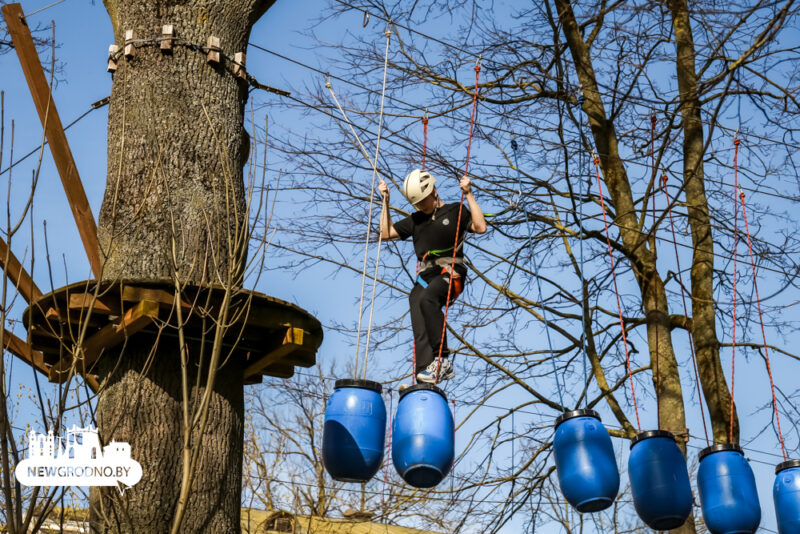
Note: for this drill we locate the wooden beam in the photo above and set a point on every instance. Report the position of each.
(137, 294)
(23, 351)
(35, 359)
(18, 275)
(54, 131)
(82, 301)
(107, 337)
(295, 339)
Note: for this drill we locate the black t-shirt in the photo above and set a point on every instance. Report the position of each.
(435, 234)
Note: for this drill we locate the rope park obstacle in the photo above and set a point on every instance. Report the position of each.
(355, 417)
(584, 457)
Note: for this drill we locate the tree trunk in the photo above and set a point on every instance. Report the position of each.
(704, 329)
(174, 207)
(666, 377)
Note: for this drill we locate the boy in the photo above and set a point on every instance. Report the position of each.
(433, 230)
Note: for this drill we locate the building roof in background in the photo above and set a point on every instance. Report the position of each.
(264, 522)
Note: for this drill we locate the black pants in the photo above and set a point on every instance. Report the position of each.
(427, 317)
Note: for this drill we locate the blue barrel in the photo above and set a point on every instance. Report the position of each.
(585, 463)
(728, 493)
(786, 493)
(423, 444)
(662, 494)
(355, 431)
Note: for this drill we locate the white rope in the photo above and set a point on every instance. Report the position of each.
(380, 235)
(371, 204)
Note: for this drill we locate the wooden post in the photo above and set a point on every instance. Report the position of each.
(54, 131)
(18, 275)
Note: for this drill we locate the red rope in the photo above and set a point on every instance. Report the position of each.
(424, 152)
(596, 161)
(735, 254)
(458, 223)
(388, 450)
(763, 333)
(424, 140)
(685, 308)
(657, 376)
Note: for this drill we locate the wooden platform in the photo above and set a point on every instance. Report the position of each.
(268, 335)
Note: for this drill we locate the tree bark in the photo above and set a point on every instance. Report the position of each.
(704, 329)
(174, 206)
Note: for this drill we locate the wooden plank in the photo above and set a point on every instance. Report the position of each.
(23, 351)
(138, 294)
(107, 337)
(80, 301)
(54, 131)
(295, 339)
(18, 275)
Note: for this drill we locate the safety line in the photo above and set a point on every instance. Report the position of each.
(388, 35)
(584, 311)
(414, 342)
(364, 272)
(685, 308)
(761, 320)
(514, 147)
(596, 161)
(656, 374)
(458, 223)
(735, 254)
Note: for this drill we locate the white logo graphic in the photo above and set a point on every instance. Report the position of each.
(77, 460)
(446, 222)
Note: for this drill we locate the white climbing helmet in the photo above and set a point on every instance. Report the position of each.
(418, 185)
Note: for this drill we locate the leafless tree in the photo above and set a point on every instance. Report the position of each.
(650, 88)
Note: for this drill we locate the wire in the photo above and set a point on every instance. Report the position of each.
(453, 273)
(596, 161)
(685, 308)
(388, 35)
(653, 105)
(761, 321)
(538, 281)
(735, 246)
(96, 105)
